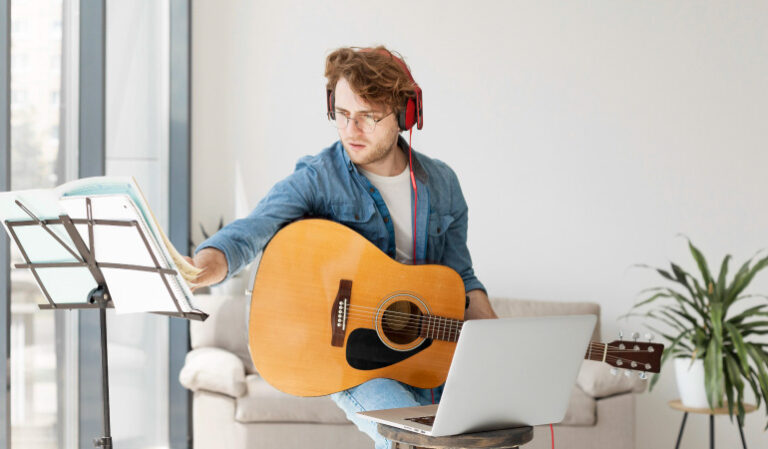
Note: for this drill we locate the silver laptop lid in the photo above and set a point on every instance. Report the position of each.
(512, 371)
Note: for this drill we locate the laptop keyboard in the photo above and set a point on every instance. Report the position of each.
(428, 420)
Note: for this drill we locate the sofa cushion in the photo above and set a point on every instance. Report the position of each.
(525, 308)
(215, 370)
(596, 380)
(264, 403)
(581, 409)
(226, 326)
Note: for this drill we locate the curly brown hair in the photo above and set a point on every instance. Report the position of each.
(373, 73)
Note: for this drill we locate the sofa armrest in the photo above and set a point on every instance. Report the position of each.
(213, 369)
(596, 380)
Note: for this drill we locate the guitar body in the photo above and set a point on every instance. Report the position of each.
(329, 311)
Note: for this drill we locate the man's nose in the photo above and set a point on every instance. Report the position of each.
(353, 128)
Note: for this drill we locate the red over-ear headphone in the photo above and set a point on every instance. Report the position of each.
(411, 114)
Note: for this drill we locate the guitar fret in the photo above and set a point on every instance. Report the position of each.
(444, 327)
(432, 327)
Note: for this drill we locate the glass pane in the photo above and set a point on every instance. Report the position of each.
(39, 365)
(137, 93)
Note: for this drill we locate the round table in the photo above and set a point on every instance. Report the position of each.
(495, 439)
(677, 405)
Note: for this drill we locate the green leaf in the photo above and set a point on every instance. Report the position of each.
(720, 287)
(651, 299)
(682, 301)
(744, 281)
(738, 343)
(762, 376)
(735, 379)
(682, 277)
(747, 313)
(702, 263)
(667, 353)
(716, 316)
(713, 374)
(670, 321)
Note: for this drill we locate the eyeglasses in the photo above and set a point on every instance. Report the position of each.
(365, 123)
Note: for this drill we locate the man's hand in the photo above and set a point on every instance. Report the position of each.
(479, 306)
(214, 266)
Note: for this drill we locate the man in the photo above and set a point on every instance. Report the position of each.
(366, 181)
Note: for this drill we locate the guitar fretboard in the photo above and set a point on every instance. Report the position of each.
(440, 328)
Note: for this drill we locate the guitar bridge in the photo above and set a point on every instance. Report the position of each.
(340, 313)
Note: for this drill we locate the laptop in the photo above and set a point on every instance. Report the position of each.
(506, 372)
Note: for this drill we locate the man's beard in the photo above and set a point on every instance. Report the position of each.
(376, 153)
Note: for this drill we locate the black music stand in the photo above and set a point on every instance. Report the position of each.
(99, 297)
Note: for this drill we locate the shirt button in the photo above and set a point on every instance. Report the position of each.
(386, 219)
(372, 190)
(357, 217)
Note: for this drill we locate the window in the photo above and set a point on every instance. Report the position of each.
(41, 359)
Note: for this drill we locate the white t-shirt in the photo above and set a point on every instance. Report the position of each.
(396, 191)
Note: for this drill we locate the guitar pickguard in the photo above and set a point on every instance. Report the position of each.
(365, 351)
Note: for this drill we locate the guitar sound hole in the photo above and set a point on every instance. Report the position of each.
(400, 322)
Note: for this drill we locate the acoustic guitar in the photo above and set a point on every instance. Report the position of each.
(329, 311)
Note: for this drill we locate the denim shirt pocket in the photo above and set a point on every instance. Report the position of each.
(438, 225)
(356, 216)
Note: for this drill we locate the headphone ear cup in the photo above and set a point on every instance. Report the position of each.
(407, 116)
(331, 104)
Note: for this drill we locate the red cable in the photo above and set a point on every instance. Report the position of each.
(415, 204)
(552, 431)
(415, 192)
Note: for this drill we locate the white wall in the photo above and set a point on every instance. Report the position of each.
(586, 135)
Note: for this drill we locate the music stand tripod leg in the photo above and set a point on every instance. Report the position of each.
(101, 297)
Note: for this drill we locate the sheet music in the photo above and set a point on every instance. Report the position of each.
(132, 290)
(65, 285)
(112, 198)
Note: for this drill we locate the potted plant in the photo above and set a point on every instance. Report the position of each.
(708, 337)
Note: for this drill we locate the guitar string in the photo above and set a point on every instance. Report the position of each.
(442, 324)
(455, 326)
(598, 348)
(449, 325)
(438, 321)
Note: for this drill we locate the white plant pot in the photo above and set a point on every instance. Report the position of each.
(690, 383)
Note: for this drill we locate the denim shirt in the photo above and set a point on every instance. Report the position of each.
(328, 185)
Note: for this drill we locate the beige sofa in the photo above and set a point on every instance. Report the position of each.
(234, 408)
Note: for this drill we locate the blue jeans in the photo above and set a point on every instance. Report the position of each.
(380, 394)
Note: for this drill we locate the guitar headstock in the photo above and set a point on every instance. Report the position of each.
(637, 356)
(631, 355)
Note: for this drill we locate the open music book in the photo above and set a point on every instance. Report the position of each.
(145, 247)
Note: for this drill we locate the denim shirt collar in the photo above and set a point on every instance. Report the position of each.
(418, 169)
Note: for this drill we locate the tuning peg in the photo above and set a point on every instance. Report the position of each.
(635, 335)
(643, 375)
(627, 373)
(621, 335)
(649, 337)
(614, 371)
